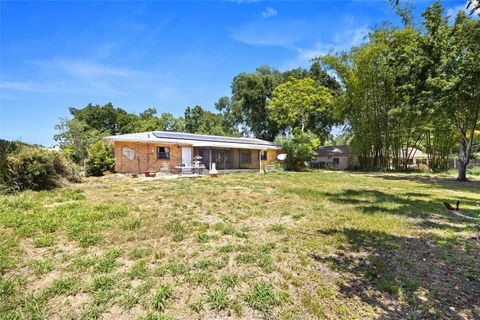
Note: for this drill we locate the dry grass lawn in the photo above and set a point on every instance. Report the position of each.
(327, 245)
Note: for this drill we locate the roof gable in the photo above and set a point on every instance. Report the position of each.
(329, 150)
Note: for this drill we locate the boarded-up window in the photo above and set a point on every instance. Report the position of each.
(245, 157)
(128, 152)
(163, 153)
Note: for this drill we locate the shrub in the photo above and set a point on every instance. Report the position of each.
(475, 171)
(300, 149)
(37, 169)
(100, 160)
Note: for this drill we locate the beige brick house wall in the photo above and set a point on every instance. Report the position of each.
(146, 157)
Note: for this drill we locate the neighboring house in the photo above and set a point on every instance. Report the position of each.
(416, 157)
(54, 148)
(163, 151)
(331, 157)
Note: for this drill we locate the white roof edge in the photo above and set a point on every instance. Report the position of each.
(149, 137)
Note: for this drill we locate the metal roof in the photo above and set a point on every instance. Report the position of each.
(196, 140)
(340, 150)
(209, 138)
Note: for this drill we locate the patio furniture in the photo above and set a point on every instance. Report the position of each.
(194, 168)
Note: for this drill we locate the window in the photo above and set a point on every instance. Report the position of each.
(245, 157)
(264, 155)
(336, 161)
(163, 153)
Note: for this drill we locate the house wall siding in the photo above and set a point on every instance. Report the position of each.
(343, 161)
(146, 157)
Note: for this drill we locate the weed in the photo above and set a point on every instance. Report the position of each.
(140, 252)
(41, 267)
(128, 300)
(204, 278)
(278, 228)
(229, 281)
(262, 297)
(138, 270)
(108, 262)
(173, 268)
(43, 241)
(102, 283)
(202, 237)
(131, 224)
(218, 299)
(196, 306)
(162, 297)
(61, 286)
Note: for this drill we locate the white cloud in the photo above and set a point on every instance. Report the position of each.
(298, 37)
(83, 68)
(32, 86)
(342, 40)
(244, 1)
(272, 33)
(269, 12)
(80, 77)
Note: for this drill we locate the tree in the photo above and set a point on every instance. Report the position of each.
(251, 93)
(300, 149)
(472, 5)
(101, 159)
(198, 120)
(75, 136)
(148, 121)
(455, 81)
(224, 106)
(297, 101)
(92, 123)
(106, 118)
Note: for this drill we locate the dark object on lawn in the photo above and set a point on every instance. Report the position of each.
(150, 174)
(456, 211)
(449, 207)
(134, 175)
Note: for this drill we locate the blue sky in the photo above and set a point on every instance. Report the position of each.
(167, 55)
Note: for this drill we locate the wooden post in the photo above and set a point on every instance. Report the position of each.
(210, 158)
(260, 160)
(148, 157)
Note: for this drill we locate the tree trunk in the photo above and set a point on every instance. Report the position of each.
(462, 173)
(463, 160)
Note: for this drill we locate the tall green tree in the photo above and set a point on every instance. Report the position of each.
(296, 102)
(455, 81)
(75, 136)
(149, 121)
(224, 106)
(199, 120)
(106, 118)
(251, 93)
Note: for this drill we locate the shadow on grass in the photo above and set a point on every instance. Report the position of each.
(439, 181)
(408, 278)
(374, 201)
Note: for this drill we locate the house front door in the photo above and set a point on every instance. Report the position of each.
(186, 155)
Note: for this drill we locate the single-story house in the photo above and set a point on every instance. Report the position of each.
(164, 151)
(331, 157)
(416, 157)
(339, 157)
